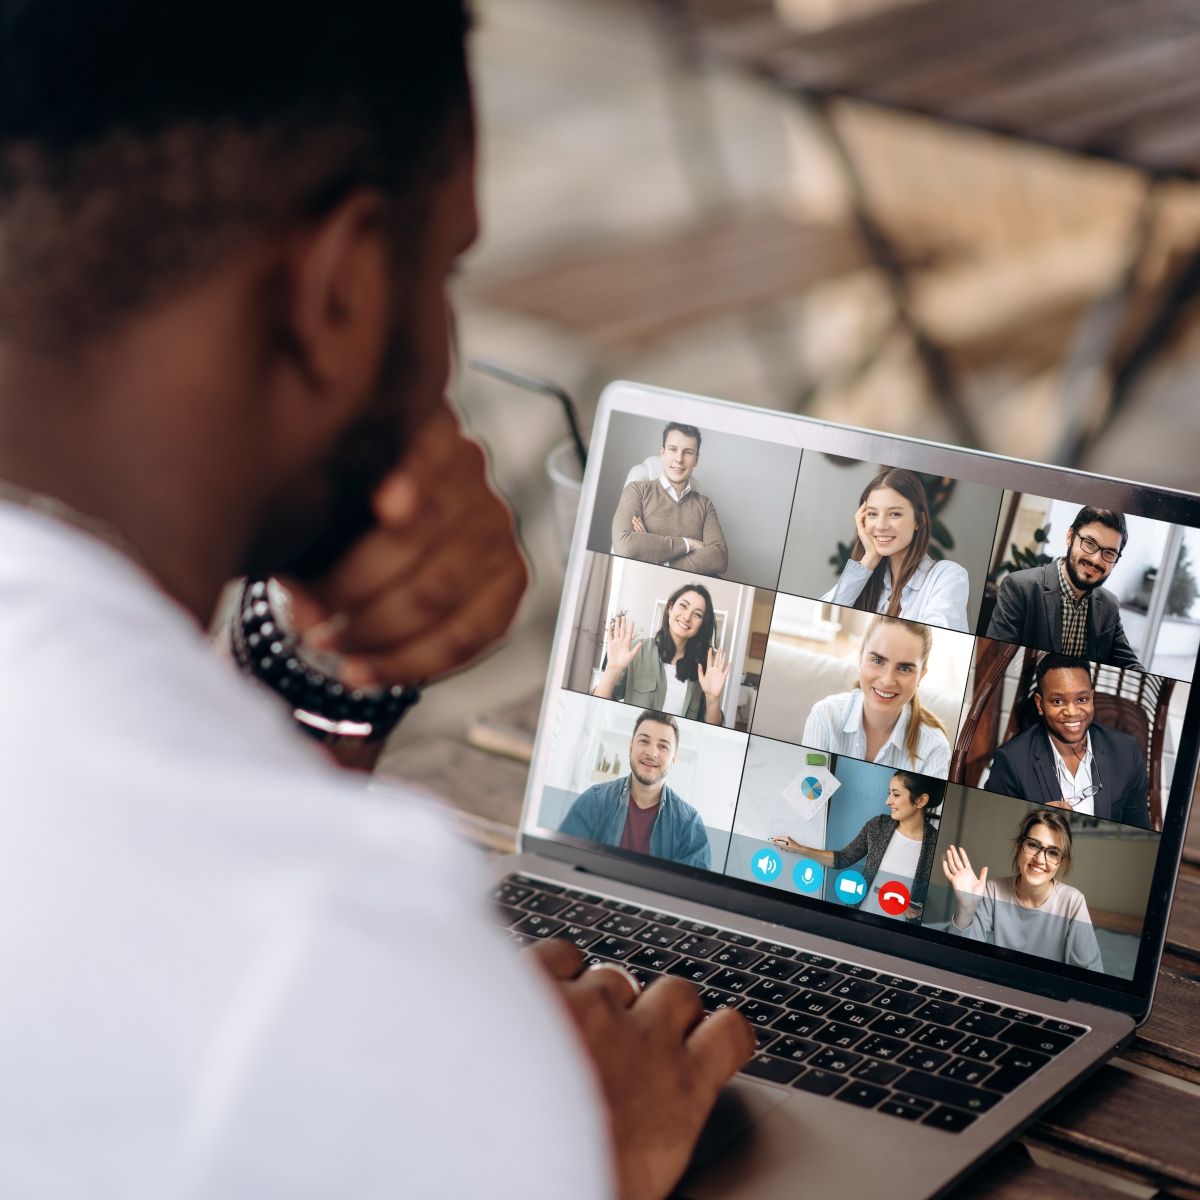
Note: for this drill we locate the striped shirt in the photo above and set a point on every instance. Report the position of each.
(1074, 615)
(835, 724)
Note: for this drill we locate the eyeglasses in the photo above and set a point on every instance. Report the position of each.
(1091, 546)
(1033, 848)
(1076, 798)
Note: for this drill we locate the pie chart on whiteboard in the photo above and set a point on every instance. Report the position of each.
(812, 788)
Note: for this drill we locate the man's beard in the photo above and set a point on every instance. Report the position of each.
(1083, 585)
(327, 512)
(646, 781)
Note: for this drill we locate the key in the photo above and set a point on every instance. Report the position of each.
(983, 1024)
(895, 1000)
(698, 947)
(882, 1047)
(658, 935)
(735, 956)
(774, 967)
(652, 958)
(537, 926)
(690, 969)
(856, 989)
(620, 925)
(921, 1059)
(881, 1073)
(1043, 1041)
(794, 1048)
(949, 1120)
(733, 981)
(842, 1036)
(947, 1091)
(583, 914)
(539, 902)
(831, 1059)
(759, 1013)
(614, 947)
(864, 1095)
(966, 1070)
(798, 1025)
(938, 1039)
(772, 992)
(823, 1083)
(777, 1070)
(980, 1049)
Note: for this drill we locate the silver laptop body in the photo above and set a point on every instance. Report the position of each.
(771, 1139)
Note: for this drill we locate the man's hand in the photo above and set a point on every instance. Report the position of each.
(638, 526)
(435, 583)
(659, 1064)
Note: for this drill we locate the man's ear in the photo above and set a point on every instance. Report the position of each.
(339, 298)
(1037, 700)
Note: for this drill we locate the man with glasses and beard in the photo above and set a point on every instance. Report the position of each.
(1062, 606)
(1068, 759)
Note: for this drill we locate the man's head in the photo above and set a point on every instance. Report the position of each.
(680, 453)
(300, 173)
(1064, 697)
(1094, 543)
(653, 747)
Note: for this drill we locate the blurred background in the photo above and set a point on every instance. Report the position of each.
(834, 207)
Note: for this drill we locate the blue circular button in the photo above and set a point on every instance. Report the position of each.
(766, 865)
(850, 887)
(808, 876)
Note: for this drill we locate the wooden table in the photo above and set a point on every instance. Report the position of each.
(1110, 79)
(1135, 1122)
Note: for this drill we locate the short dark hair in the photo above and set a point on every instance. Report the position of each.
(687, 431)
(661, 718)
(142, 142)
(1115, 521)
(1060, 662)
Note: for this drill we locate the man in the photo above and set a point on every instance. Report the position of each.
(639, 812)
(224, 239)
(1068, 760)
(1063, 606)
(666, 520)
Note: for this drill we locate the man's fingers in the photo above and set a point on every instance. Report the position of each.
(720, 1046)
(619, 986)
(455, 641)
(447, 581)
(672, 1003)
(559, 959)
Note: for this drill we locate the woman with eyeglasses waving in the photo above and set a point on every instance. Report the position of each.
(1032, 909)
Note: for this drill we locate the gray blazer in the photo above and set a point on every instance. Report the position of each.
(1029, 612)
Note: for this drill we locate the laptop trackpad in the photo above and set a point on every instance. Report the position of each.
(738, 1106)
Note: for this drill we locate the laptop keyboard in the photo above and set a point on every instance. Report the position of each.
(832, 1028)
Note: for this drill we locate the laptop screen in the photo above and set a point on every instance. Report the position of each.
(923, 688)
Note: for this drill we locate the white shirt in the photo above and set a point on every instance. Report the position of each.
(835, 724)
(228, 970)
(1072, 785)
(936, 594)
(670, 489)
(676, 692)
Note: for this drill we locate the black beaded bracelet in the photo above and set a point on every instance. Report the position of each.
(323, 706)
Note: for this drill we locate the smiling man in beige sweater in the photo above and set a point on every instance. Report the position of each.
(665, 520)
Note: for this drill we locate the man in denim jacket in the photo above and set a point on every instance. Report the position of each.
(639, 812)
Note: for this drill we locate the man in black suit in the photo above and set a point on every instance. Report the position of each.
(1062, 606)
(1067, 760)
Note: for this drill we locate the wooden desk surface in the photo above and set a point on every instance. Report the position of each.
(1109, 78)
(1132, 1123)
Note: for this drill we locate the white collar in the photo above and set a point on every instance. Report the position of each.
(854, 721)
(670, 490)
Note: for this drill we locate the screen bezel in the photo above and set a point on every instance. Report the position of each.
(940, 950)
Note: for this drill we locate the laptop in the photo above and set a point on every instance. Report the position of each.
(899, 769)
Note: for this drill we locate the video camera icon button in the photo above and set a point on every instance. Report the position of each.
(766, 865)
(850, 887)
